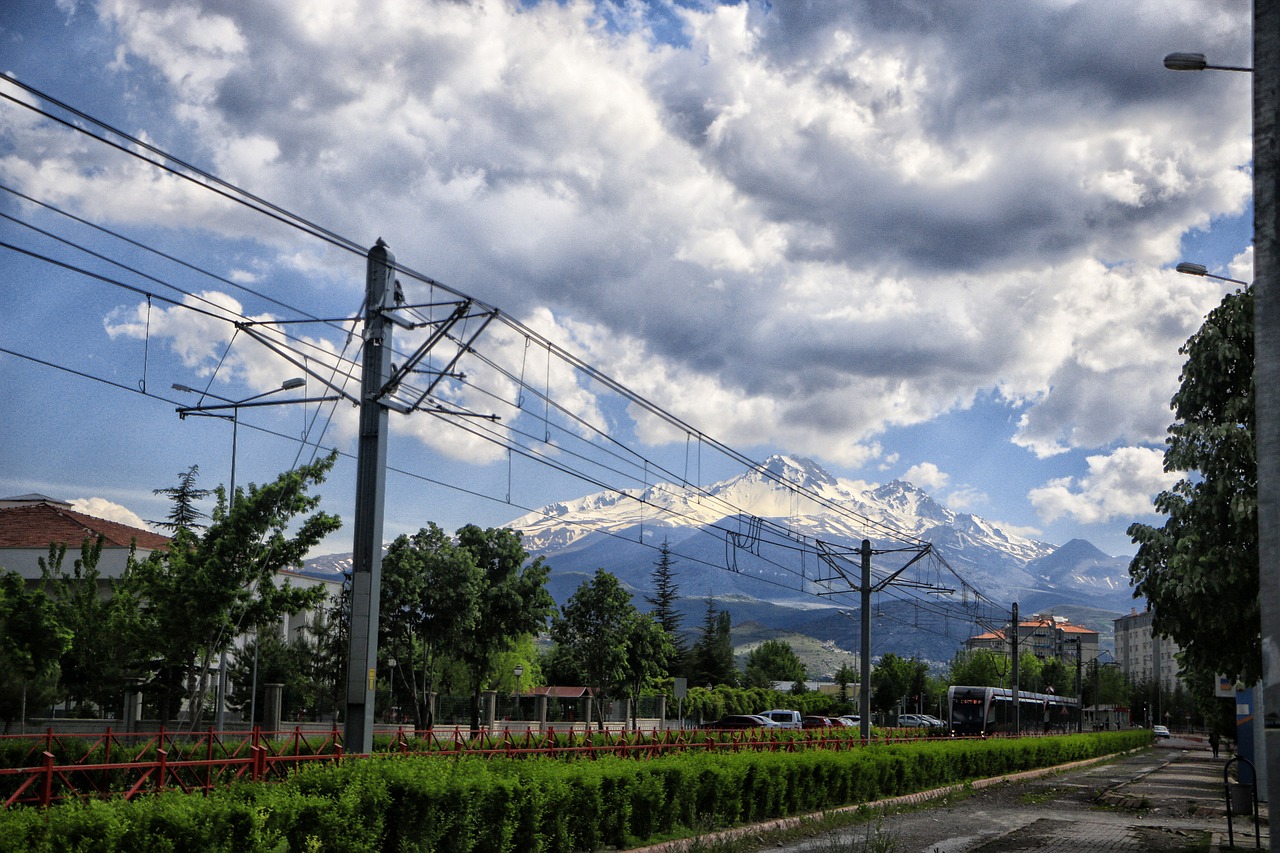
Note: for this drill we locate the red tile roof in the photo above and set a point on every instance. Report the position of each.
(38, 525)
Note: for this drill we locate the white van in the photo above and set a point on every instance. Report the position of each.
(784, 718)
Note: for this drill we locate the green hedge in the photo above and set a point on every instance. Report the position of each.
(470, 804)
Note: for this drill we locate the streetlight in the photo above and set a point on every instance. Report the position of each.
(518, 671)
(1188, 268)
(1266, 324)
(234, 417)
(1196, 62)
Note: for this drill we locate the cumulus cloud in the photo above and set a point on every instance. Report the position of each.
(927, 475)
(794, 224)
(109, 510)
(1121, 484)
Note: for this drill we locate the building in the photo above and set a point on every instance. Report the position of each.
(1144, 656)
(1044, 636)
(30, 523)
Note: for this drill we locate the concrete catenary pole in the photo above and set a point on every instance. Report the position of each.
(371, 473)
(864, 695)
(1266, 281)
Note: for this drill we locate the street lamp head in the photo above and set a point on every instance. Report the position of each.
(178, 386)
(1189, 268)
(1186, 62)
(290, 384)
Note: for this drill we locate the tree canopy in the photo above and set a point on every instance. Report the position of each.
(197, 595)
(1199, 571)
(773, 660)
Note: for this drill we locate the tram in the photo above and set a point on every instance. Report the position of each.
(989, 710)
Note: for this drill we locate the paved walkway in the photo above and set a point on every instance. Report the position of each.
(1170, 797)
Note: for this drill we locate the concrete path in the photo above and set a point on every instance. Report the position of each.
(1170, 797)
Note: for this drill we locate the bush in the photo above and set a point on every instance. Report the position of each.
(466, 804)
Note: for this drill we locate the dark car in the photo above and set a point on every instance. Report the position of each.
(813, 722)
(740, 721)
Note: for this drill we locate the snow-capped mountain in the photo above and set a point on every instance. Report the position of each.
(748, 543)
(740, 534)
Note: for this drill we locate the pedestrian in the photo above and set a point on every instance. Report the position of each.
(1213, 743)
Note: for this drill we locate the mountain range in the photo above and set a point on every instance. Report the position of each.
(747, 545)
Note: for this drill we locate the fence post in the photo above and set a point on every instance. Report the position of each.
(46, 787)
(162, 756)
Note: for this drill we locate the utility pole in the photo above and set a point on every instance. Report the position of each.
(832, 556)
(864, 695)
(1017, 706)
(1266, 306)
(371, 473)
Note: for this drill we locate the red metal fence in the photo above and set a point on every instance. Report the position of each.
(61, 767)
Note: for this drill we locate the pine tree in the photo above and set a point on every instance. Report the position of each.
(184, 515)
(665, 596)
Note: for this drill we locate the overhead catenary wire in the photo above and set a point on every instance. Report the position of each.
(642, 464)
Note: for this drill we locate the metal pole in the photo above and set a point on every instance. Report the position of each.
(220, 718)
(1017, 706)
(1266, 306)
(371, 472)
(1079, 692)
(864, 695)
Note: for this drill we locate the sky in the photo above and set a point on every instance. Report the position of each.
(908, 240)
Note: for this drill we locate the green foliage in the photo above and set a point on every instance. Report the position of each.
(1199, 571)
(980, 668)
(710, 661)
(666, 595)
(430, 596)
(894, 678)
(197, 595)
(609, 645)
(512, 602)
(469, 805)
(773, 660)
(32, 641)
(184, 514)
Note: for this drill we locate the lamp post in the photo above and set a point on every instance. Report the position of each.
(215, 411)
(1266, 371)
(518, 671)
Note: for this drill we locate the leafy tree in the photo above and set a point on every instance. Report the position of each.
(649, 650)
(205, 588)
(607, 642)
(184, 515)
(845, 676)
(773, 660)
(103, 621)
(430, 597)
(895, 678)
(666, 595)
(711, 658)
(512, 602)
(1199, 571)
(1030, 674)
(31, 643)
(980, 668)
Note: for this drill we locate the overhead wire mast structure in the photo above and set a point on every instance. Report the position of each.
(543, 420)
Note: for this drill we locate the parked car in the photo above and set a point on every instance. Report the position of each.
(783, 717)
(913, 721)
(850, 722)
(851, 719)
(741, 721)
(1161, 731)
(933, 721)
(815, 722)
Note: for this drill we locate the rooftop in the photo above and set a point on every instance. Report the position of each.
(37, 525)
